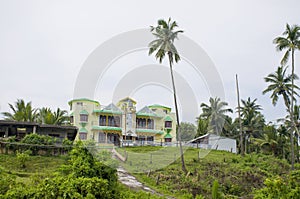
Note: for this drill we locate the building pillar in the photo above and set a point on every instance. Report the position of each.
(6, 132)
(106, 138)
(34, 129)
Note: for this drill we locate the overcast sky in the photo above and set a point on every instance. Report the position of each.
(43, 45)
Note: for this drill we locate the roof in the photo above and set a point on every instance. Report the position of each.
(160, 106)
(83, 99)
(168, 119)
(146, 112)
(128, 99)
(83, 130)
(207, 135)
(17, 123)
(149, 131)
(106, 128)
(111, 108)
(168, 135)
(84, 112)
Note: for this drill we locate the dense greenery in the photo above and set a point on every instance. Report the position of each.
(79, 175)
(24, 112)
(219, 173)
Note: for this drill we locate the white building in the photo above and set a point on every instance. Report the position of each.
(212, 141)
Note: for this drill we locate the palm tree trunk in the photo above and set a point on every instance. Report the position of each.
(239, 113)
(177, 115)
(292, 115)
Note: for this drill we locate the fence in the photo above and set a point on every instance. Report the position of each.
(12, 147)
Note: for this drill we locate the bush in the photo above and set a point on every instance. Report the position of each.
(22, 158)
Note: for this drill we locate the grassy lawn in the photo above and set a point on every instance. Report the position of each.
(238, 176)
(36, 166)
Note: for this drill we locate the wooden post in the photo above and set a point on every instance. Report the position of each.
(239, 114)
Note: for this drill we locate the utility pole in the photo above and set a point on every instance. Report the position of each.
(239, 114)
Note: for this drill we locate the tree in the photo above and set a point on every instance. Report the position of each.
(202, 126)
(268, 142)
(22, 112)
(46, 116)
(282, 84)
(215, 113)
(163, 44)
(252, 119)
(290, 43)
(188, 131)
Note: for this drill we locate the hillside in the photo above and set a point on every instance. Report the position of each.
(238, 177)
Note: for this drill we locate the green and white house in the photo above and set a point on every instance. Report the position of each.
(121, 124)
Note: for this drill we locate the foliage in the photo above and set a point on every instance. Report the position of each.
(163, 44)
(46, 116)
(279, 187)
(215, 190)
(22, 158)
(202, 126)
(280, 85)
(34, 138)
(215, 112)
(188, 131)
(237, 176)
(21, 112)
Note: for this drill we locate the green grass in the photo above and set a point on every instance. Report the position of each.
(35, 166)
(238, 176)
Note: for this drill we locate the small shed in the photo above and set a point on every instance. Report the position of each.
(213, 141)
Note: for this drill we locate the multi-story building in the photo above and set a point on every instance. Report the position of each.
(121, 124)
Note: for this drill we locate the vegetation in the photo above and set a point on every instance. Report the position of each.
(165, 35)
(235, 175)
(188, 131)
(79, 175)
(24, 112)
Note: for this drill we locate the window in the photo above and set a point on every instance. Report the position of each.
(102, 120)
(79, 103)
(150, 138)
(168, 124)
(168, 139)
(83, 136)
(150, 124)
(141, 123)
(111, 121)
(83, 118)
(102, 138)
(72, 119)
(117, 121)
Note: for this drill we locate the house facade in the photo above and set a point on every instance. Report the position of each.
(121, 124)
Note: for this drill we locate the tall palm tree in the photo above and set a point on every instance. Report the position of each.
(46, 116)
(268, 142)
(21, 112)
(163, 44)
(215, 113)
(290, 43)
(282, 84)
(253, 120)
(60, 116)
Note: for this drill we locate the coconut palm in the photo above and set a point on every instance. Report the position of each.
(268, 142)
(252, 119)
(46, 116)
(215, 113)
(21, 112)
(163, 44)
(290, 43)
(282, 84)
(60, 116)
